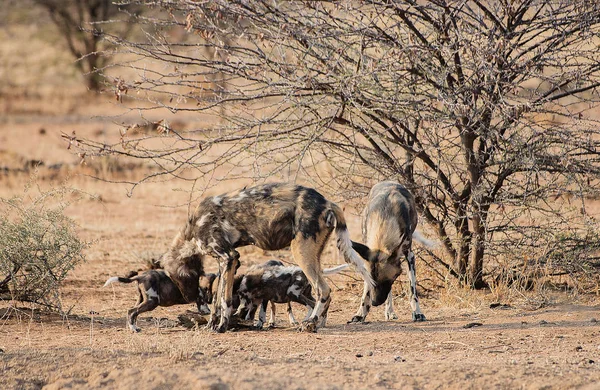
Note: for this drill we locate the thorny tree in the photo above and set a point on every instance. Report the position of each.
(484, 109)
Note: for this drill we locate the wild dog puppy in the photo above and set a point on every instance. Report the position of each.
(155, 288)
(388, 226)
(205, 280)
(276, 283)
(272, 217)
(248, 310)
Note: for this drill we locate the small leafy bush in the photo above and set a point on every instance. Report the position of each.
(38, 247)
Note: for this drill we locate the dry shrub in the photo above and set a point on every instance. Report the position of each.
(577, 256)
(39, 245)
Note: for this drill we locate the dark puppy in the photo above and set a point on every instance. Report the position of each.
(155, 288)
(276, 283)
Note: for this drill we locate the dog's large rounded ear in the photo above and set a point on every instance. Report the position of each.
(362, 250)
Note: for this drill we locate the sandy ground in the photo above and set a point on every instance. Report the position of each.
(549, 343)
(555, 347)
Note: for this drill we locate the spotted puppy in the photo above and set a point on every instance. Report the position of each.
(276, 283)
(155, 288)
(388, 224)
(271, 217)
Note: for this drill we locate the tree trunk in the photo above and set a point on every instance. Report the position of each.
(94, 81)
(476, 267)
(462, 256)
(92, 59)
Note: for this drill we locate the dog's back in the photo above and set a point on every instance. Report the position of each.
(279, 212)
(153, 283)
(389, 214)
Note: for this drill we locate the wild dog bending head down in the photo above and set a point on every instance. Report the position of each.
(388, 223)
(272, 217)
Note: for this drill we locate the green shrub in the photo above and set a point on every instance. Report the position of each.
(38, 247)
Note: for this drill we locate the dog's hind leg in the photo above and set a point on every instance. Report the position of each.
(148, 305)
(412, 278)
(365, 305)
(389, 308)
(307, 253)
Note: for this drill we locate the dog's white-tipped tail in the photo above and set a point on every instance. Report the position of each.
(344, 245)
(335, 270)
(110, 281)
(431, 244)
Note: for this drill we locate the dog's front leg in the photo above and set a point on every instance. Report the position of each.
(202, 303)
(389, 308)
(365, 305)
(412, 278)
(308, 301)
(230, 262)
(242, 309)
(291, 315)
(215, 312)
(262, 314)
(272, 319)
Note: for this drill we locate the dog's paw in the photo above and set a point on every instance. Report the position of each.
(356, 319)
(418, 317)
(221, 328)
(271, 325)
(134, 328)
(391, 316)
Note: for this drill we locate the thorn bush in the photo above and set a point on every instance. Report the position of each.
(39, 245)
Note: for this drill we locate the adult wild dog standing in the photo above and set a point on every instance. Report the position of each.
(389, 221)
(272, 217)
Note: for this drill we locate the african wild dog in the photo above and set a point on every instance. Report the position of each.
(155, 288)
(276, 283)
(388, 224)
(272, 217)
